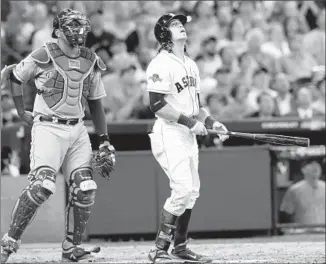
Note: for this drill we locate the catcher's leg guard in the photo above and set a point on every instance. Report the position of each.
(82, 195)
(181, 231)
(42, 185)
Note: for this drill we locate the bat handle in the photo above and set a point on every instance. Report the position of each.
(219, 132)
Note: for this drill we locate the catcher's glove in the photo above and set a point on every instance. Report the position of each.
(104, 159)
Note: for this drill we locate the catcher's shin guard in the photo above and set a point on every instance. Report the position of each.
(82, 195)
(166, 230)
(182, 224)
(41, 187)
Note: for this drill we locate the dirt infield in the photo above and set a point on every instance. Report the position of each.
(281, 249)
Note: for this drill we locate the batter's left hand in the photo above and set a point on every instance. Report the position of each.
(220, 127)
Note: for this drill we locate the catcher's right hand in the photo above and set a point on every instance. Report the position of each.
(103, 160)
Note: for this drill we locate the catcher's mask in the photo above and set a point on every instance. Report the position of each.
(161, 29)
(74, 25)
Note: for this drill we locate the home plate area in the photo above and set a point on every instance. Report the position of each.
(278, 249)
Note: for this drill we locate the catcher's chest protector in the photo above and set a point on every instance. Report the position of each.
(65, 92)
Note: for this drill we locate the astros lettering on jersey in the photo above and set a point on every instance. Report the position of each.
(167, 74)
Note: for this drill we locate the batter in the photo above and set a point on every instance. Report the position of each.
(67, 76)
(174, 87)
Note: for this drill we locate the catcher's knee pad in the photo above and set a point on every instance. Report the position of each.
(41, 187)
(82, 189)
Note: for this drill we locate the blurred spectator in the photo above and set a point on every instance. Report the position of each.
(239, 108)
(314, 41)
(224, 16)
(319, 104)
(208, 83)
(204, 18)
(292, 28)
(291, 10)
(124, 94)
(215, 103)
(245, 12)
(261, 80)
(236, 35)
(120, 55)
(303, 105)
(223, 77)
(99, 40)
(284, 98)
(255, 40)
(229, 58)
(266, 103)
(299, 63)
(304, 201)
(123, 27)
(43, 28)
(246, 70)
(9, 162)
(211, 59)
(9, 112)
(276, 46)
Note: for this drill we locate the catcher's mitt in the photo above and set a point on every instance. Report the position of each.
(103, 160)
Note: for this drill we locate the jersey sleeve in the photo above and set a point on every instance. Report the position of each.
(158, 78)
(25, 70)
(97, 90)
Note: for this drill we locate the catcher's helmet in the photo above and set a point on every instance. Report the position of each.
(161, 29)
(74, 24)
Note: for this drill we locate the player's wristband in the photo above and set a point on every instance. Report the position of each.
(186, 121)
(103, 138)
(209, 121)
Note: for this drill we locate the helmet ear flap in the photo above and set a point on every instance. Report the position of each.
(165, 35)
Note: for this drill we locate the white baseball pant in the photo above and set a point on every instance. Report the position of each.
(175, 149)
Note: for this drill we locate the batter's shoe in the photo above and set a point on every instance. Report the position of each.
(182, 252)
(156, 255)
(8, 246)
(75, 254)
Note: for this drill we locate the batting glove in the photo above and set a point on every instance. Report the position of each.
(220, 127)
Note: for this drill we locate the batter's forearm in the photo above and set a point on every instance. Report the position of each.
(205, 118)
(98, 116)
(169, 113)
(202, 115)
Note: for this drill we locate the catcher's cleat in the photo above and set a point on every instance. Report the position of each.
(8, 246)
(75, 254)
(182, 252)
(156, 255)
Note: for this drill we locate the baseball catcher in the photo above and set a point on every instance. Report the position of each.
(67, 76)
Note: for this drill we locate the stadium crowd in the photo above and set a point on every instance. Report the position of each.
(259, 59)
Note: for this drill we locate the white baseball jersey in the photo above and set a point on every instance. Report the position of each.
(173, 145)
(168, 74)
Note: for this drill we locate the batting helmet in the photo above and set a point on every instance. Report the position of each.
(161, 29)
(74, 24)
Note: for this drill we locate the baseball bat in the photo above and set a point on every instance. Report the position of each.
(268, 138)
